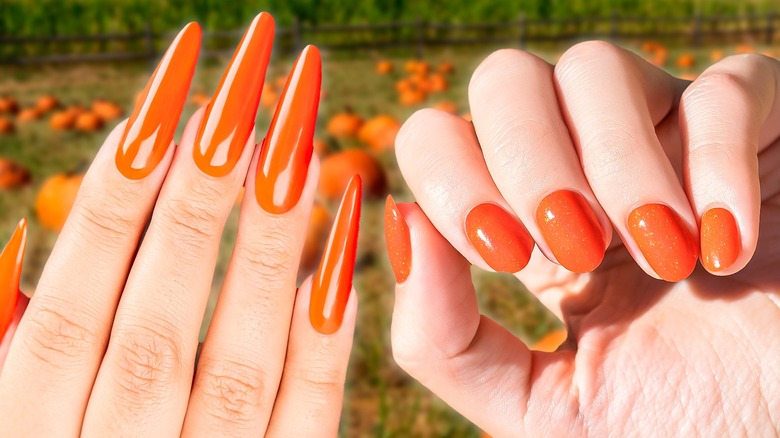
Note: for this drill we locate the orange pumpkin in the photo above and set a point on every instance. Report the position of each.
(321, 147)
(62, 120)
(686, 61)
(200, 99)
(688, 76)
(280, 82)
(28, 115)
(446, 68)
(47, 103)
(420, 82)
(6, 126)
(106, 110)
(410, 66)
(88, 122)
(659, 57)
(403, 85)
(379, 132)
(422, 68)
(337, 169)
(411, 97)
(437, 83)
(316, 235)
(344, 124)
(716, 55)
(9, 105)
(269, 96)
(384, 67)
(12, 174)
(55, 199)
(551, 341)
(745, 48)
(651, 46)
(447, 107)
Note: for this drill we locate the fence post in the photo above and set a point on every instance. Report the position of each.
(613, 31)
(523, 28)
(149, 43)
(420, 38)
(295, 33)
(770, 27)
(696, 29)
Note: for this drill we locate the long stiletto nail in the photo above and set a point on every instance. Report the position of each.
(332, 282)
(284, 160)
(572, 230)
(11, 260)
(399, 245)
(500, 239)
(664, 240)
(151, 126)
(720, 241)
(230, 115)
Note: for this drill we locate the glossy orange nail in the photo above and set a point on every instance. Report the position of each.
(572, 231)
(10, 274)
(151, 126)
(399, 245)
(230, 115)
(720, 241)
(332, 282)
(284, 160)
(500, 239)
(664, 240)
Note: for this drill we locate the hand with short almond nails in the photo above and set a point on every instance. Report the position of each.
(624, 178)
(107, 345)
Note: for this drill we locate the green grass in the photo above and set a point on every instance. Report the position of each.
(381, 400)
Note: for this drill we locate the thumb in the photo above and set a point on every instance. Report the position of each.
(470, 361)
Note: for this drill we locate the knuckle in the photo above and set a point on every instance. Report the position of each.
(148, 362)
(318, 385)
(585, 58)
(714, 85)
(419, 126)
(271, 259)
(232, 392)
(189, 221)
(58, 334)
(610, 151)
(107, 216)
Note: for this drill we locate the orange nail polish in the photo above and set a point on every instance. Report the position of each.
(572, 230)
(151, 126)
(10, 274)
(500, 239)
(230, 115)
(664, 240)
(720, 241)
(284, 160)
(332, 282)
(399, 245)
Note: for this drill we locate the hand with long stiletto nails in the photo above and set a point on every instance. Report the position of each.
(107, 345)
(565, 156)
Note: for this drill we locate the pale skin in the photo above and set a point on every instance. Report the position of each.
(85, 363)
(644, 357)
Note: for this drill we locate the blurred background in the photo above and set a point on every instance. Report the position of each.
(71, 69)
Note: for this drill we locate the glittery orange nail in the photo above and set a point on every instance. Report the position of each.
(230, 115)
(399, 246)
(151, 126)
(11, 260)
(572, 230)
(720, 241)
(288, 147)
(664, 240)
(332, 283)
(500, 239)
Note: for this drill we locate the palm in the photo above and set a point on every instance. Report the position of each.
(642, 345)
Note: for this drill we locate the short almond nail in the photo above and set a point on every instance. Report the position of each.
(720, 241)
(399, 246)
(150, 129)
(664, 240)
(284, 160)
(11, 260)
(500, 239)
(332, 282)
(571, 230)
(230, 115)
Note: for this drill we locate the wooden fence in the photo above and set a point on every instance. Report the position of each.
(416, 36)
